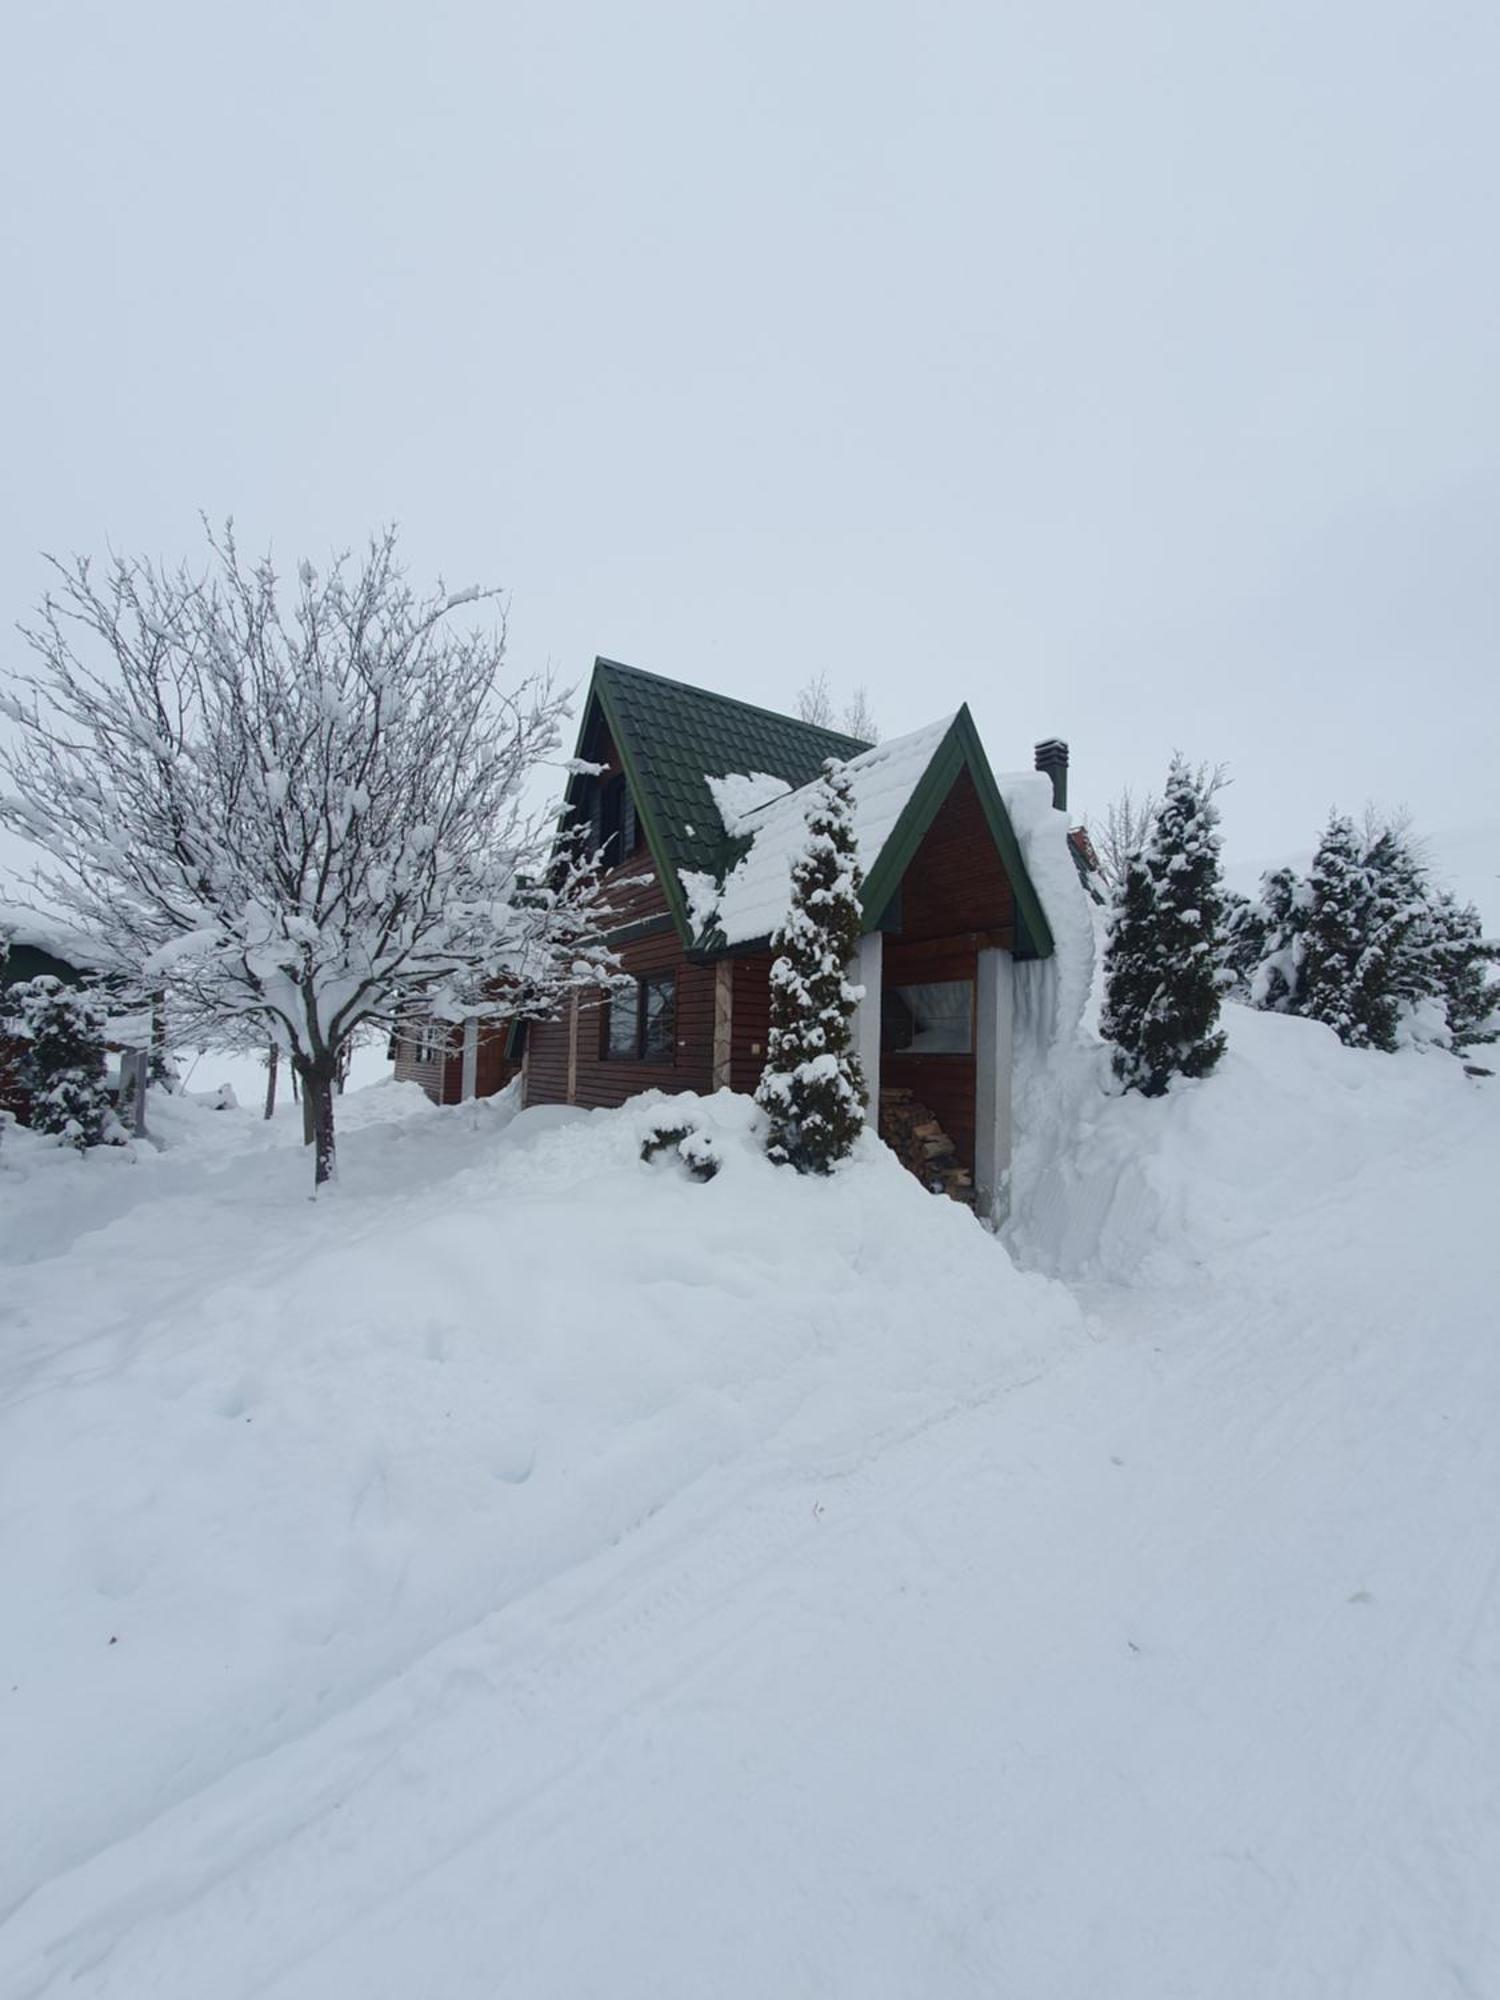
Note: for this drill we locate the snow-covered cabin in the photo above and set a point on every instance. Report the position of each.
(704, 799)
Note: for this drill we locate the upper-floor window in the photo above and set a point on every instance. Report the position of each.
(616, 830)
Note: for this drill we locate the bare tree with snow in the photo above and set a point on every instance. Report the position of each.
(815, 705)
(815, 702)
(1125, 831)
(299, 808)
(859, 717)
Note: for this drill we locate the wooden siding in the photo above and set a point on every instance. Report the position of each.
(602, 1081)
(751, 1022)
(956, 881)
(412, 1066)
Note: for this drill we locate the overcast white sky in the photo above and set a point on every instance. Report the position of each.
(1128, 372)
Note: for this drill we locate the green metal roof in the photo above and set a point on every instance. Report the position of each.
(672, 738)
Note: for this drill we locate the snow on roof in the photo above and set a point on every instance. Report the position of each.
(755, 893)
(739, 795)
(34, 928)
(1042, 833)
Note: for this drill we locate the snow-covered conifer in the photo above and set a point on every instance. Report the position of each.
(298, 810)
(1242, 940)
(62, 1070)
(1276, 981)
(1351, 955)
(1400, 931)
(1462, 957)
(1163, 978)
(812, 1088)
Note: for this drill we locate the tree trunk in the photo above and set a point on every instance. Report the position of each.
(316, 1075)
(158, 1063)
(272, 1064)
(320, 1091)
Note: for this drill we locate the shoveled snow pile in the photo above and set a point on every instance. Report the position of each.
(258, 1455)
(1149, 1192)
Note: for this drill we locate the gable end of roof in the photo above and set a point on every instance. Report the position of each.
(959, 750)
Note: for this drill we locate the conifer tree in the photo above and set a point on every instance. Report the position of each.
(62, 1070)
(1163, 978)
(1401, 936)
(1276, 982)
(812, 1088)
(1345, 975)
(1462, 957)
(1242, 940)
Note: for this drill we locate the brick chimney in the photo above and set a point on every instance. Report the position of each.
(1052, 757)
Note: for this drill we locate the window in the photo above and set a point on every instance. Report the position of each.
(616, 829)
(427, 1040)
(932, 1020)
(642, 1026)
(622, 1027)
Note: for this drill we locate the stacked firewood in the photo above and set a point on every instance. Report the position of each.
(919, 1142)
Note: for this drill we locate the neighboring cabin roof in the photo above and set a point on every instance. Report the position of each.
(730, 889)
(35, 933)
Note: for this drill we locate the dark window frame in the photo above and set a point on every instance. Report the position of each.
(615, 823)
(641, 1020)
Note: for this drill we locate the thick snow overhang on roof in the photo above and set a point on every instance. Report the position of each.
(898, 787)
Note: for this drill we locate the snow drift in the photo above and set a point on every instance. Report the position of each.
(257, 1454)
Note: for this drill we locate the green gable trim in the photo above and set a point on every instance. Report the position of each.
(670, 739)
(959, 750)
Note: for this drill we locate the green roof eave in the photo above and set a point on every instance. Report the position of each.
(959, 750)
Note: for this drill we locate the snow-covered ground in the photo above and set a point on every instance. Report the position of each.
(529, 1571)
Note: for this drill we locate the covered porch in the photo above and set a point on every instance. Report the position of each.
(935, 1026)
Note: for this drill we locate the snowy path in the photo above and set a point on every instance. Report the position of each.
(1173, 1672)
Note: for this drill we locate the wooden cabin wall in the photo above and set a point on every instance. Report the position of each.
(956, 882)
(750, 1021)
(599, 1080)
(413, 1067)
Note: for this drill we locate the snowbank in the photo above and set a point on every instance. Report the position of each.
(1130, 1189)
(257, 1454)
